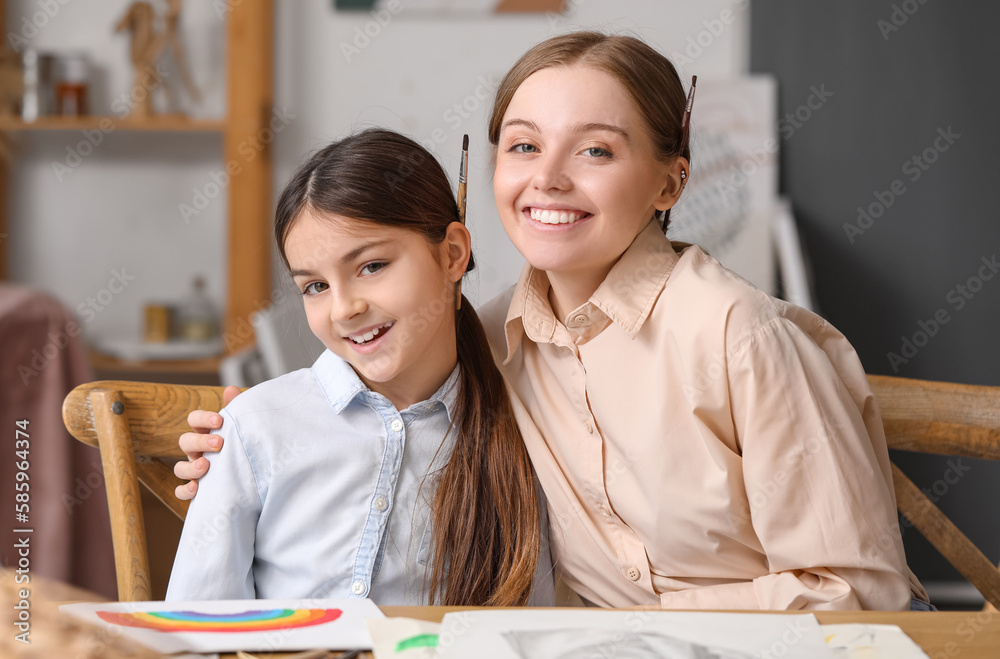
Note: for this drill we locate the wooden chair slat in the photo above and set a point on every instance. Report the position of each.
(939, 417)
(128, 531)
(946, 537)
(160, 480)
(157, 412)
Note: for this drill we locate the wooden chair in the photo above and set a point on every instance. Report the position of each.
(947, 419)
(134, 424)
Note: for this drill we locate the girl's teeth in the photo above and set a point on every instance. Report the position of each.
(368, 336)
(554, 217)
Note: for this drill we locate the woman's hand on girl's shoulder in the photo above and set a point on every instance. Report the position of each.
(198, 442)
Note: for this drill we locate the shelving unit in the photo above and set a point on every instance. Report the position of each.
(249, 95)
(165, 123)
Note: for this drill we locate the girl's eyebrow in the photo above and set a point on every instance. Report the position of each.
(579, 128)
(346, 258)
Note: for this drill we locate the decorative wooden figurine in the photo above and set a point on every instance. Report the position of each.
(148, 45)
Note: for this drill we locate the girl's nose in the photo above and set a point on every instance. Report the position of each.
(552, 173)
(345, 306)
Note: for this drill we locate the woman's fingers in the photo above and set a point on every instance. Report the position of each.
(204, 421)
(228, 394)
(191, 470)
(186, 491)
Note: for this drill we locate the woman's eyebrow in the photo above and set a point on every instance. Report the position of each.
(519, 122)
(589, 127)
(579, 128)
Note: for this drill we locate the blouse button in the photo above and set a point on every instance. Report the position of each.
(381, 503)
(589, 426)
(396, 425)
(604, 510)
(633, 573)
(579, 319)
(358, 587)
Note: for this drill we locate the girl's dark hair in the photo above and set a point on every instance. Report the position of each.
(485, 511)
(649, 79)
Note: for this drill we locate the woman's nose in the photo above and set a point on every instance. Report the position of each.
(552, 173)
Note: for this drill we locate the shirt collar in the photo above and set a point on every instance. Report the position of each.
(342, 385)
(626, 295)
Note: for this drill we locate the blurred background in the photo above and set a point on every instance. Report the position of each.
(842, 157)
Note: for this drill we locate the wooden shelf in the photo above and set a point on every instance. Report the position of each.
(162, 123)
(103, 362)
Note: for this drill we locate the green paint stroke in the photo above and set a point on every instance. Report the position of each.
(419, 641)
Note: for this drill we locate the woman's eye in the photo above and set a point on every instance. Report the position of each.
(372, 268)
(523, 148)
(314, 288)
(598, 152)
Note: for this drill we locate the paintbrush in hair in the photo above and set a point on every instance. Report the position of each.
(463, 175)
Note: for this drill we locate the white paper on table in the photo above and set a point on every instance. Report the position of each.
(171, 627)
(621, 634)
(858, 641)
(403, 638)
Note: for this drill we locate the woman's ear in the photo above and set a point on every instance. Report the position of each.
(456, 250)
(675, 178)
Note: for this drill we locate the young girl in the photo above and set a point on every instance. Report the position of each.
(700, 444)
(392, 468)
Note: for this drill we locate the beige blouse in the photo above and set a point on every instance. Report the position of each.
(701, 444)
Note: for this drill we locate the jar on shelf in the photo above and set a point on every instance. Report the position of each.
(72, 76)
(196, 318)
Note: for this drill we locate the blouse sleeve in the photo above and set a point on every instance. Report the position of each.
(215, 556)
(815, 467)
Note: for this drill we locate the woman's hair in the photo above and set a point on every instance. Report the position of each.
(649, 79)
(485, 511)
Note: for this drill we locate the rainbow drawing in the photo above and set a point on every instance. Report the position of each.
(244, 621)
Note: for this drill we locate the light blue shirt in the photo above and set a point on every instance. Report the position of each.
(322, 490)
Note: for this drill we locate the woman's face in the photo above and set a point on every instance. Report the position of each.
(576, 177)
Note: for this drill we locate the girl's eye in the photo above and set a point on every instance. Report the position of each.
(598, 152)
(315, 288)
(524, 148)
(373, 267)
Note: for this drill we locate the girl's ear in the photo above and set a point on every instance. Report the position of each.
(675, 177)
(456, 250)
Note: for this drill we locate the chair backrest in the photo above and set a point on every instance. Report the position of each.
(946, 419)
(134, 424)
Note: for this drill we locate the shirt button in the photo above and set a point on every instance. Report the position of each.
(589, 426)
(579, 319)
(381, 503)
(358, 587)
(633, 573)
(604, 510)
(396, 425)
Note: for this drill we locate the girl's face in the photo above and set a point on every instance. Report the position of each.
(380, 297)
(576, 177)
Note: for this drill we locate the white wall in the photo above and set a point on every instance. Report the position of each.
(119, 208)
(416, 69)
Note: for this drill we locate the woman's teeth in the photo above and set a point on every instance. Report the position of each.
(555, 217)
(368, 336)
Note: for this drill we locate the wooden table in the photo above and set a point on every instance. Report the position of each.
(942, 635)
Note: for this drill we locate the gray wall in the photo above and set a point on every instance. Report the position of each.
(896, 77)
